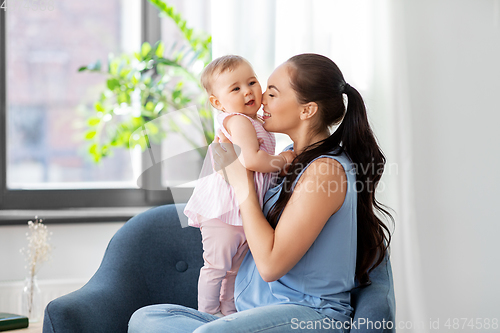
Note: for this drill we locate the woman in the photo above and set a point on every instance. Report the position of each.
(318, 232)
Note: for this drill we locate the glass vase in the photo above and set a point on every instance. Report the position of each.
(32, 300)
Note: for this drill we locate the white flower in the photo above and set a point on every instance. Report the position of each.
(39, 248)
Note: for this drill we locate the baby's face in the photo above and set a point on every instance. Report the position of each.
(238, 91)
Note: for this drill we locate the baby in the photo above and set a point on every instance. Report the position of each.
(233, 89)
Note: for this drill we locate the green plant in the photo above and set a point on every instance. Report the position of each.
(143, 86)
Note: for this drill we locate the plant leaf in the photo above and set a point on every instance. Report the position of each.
(93, 121)
(96, 66)
(160, 49)
(113, 83)
(98, 107)
(146, 47)
(90, 135)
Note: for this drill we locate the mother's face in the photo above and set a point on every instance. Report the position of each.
(281, 108)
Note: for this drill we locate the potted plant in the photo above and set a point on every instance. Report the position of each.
(146, 85)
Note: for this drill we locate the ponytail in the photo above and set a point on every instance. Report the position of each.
(359, 143)
(321, 81)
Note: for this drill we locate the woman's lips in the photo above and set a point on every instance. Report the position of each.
(266, 115)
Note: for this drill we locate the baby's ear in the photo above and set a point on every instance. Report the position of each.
(215, 102)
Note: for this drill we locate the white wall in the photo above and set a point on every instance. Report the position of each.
(78, 251)
(453, 49)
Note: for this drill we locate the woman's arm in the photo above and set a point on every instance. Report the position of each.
(319, 193)
(244, 135)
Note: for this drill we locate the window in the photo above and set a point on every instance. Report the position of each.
(44, 91)
(43, 102)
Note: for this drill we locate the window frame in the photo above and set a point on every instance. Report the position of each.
(46, 199)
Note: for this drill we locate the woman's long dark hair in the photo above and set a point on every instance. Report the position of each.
(316, 78)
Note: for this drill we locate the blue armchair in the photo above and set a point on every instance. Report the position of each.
(153, 260)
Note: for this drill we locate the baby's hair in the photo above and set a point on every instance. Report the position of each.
(217, 67)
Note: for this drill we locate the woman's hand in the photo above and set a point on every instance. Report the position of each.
(226, 163)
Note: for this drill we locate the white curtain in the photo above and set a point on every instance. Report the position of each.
(365, 39)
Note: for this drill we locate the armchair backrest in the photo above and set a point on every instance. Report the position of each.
(375, 305)
(166, 257)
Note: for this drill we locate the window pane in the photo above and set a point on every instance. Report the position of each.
(181, 162)
(48, 100)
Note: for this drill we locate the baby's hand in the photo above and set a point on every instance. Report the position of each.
(289, 156)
